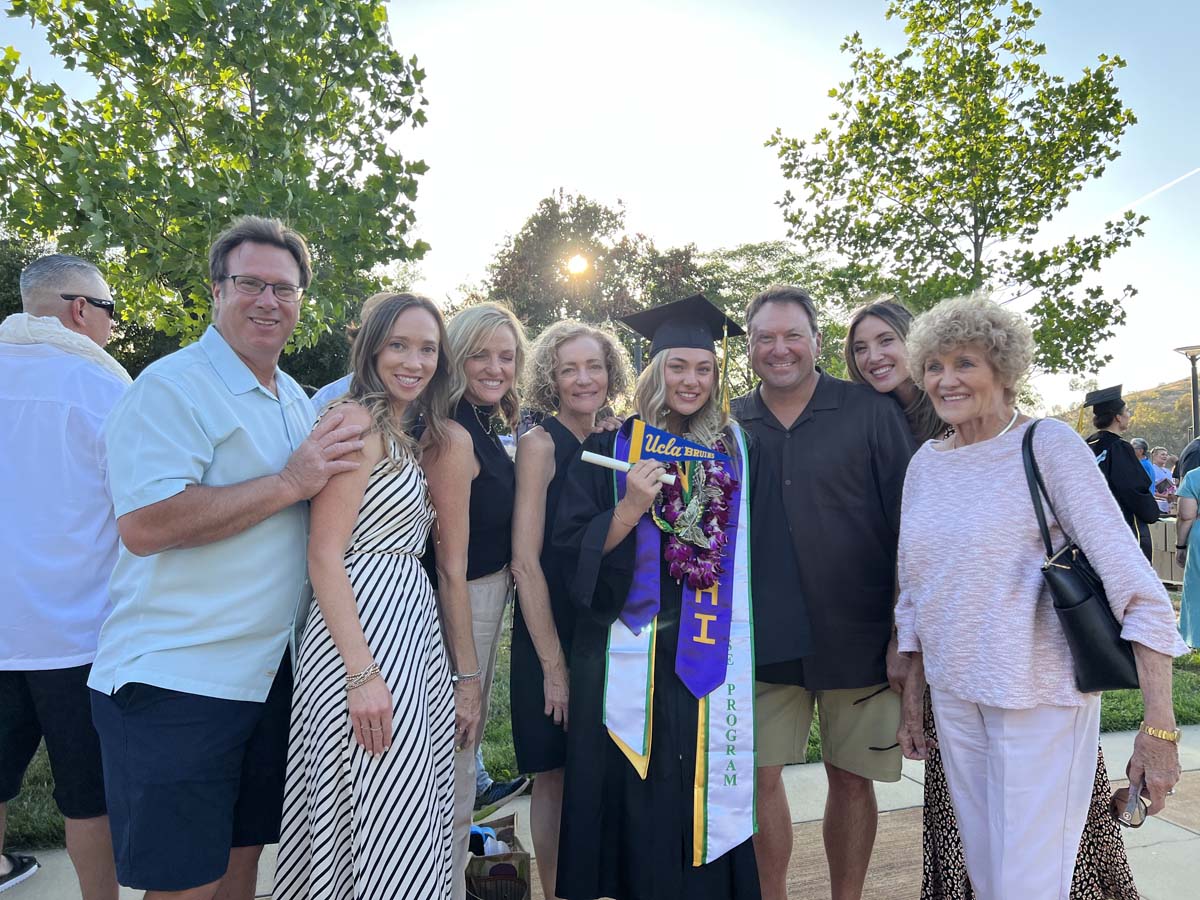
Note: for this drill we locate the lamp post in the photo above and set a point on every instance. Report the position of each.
(1193, 353)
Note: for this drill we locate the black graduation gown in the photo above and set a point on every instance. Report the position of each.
(1129, 484)
(622, 837)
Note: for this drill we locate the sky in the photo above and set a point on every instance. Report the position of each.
(665, 106)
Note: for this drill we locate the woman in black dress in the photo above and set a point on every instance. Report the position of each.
(1126, 477)
(574, 370)
(658, 794)
(472, 484)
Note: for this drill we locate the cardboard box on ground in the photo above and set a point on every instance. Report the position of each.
(502, 876)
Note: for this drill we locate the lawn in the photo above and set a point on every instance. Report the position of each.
(34, 822)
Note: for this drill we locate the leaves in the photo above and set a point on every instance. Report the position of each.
(944, 161)
(205, 110)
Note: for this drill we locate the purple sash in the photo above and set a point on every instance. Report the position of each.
(703, 652)
(642, 604)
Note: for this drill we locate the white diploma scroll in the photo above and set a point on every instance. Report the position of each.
(618, 465)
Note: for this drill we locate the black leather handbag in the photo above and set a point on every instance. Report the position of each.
(1103, 659)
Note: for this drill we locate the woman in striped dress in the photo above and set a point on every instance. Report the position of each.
(369, 798)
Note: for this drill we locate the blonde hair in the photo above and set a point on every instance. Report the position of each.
(539, 388)
(1003, 335)
(650, 398)
(468, 332)
(367, 389)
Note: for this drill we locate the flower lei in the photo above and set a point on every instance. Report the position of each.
(695, 519)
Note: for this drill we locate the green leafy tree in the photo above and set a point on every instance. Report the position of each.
(204, 110)
(944, 161)
(623, 273)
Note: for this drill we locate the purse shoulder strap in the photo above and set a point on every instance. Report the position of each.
(1037, 488)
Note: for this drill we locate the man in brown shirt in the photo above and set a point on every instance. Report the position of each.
(840, 451)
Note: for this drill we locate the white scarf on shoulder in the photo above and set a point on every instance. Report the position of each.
(22, 328)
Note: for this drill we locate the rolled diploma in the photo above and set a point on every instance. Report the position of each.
(618, 465)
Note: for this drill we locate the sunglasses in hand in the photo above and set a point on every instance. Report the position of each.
(1128, 806)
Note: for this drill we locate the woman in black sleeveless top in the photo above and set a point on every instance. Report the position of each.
(472, 483)
(574, 370)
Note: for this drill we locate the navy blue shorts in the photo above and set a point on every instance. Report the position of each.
(189, 777)
(51, 704)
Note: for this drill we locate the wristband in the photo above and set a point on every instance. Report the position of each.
(1162, 734)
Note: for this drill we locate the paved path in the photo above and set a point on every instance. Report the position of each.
(1165, 855)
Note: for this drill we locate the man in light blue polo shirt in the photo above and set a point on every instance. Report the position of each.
(211, 465)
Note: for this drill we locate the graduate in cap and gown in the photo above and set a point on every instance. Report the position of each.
(1121, 467)
(658, 795)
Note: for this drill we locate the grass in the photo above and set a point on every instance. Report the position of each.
(34, 822)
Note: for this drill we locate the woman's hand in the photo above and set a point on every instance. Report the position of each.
(608, 423)
(897, 665)
(911, 735)
(642, 485)
(468, 701)
(371, 715)
(1155, 764)
(556, 690)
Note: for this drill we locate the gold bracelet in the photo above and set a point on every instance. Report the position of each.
(361, 678)
(1161, 733)
(622, 521)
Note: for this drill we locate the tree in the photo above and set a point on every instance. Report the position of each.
(944, 161)
(623, 273)
(205, 110)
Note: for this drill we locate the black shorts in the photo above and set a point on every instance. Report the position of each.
(52, 704)
(189, 777)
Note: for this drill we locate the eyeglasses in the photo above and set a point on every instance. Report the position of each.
(109, 306)
(1128, 807)
(253, 287)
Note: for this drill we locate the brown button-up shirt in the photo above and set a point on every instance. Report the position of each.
(841, 469)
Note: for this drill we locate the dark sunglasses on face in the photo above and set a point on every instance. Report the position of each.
(109, 306)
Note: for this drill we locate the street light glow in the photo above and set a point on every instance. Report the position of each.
(577, 264)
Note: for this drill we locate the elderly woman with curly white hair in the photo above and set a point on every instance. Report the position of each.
(1017, 738)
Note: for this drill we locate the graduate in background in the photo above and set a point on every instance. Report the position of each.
(1120, 465)
(658, 800)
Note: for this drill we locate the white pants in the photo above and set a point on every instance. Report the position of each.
(1021, 783)
(489, 597)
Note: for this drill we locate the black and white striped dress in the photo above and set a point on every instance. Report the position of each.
(357, 828)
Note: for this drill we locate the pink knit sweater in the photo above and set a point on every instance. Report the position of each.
(972, 598)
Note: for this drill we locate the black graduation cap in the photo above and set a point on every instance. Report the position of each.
(693, 323)
(1105, 400)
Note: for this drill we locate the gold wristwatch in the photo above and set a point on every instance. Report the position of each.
(1161, 733)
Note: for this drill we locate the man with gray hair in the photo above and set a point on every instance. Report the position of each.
(1141, 447)
(213, 458)
(57, 386)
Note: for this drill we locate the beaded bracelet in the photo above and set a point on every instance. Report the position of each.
(354, 681)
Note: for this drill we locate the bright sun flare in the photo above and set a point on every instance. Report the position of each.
(577, 264)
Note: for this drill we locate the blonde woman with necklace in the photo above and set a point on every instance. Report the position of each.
(1016, 737)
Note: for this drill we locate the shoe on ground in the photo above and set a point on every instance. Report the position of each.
(500, 793)
(22, 867)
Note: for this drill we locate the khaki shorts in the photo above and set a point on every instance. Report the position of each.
(858, 728)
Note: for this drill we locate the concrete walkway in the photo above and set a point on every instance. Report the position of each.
(1165, 855)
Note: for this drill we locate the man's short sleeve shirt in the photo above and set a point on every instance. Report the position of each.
(212, 620)
(841, 468)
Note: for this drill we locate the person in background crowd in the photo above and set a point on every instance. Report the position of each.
(1121, 465)
(335, 389)
(839, 451)
(574, 370)
(658, 802)
(211, 463)
(1016, 738)
(876, 354)
(1189, 459)
(1142, 448)
(473, 484)
(1187, 554)
(1163, 484)
(369, 806)
(57, 385)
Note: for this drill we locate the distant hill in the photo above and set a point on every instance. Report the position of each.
(1162, 415)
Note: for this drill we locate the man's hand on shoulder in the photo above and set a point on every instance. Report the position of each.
(322, 455)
